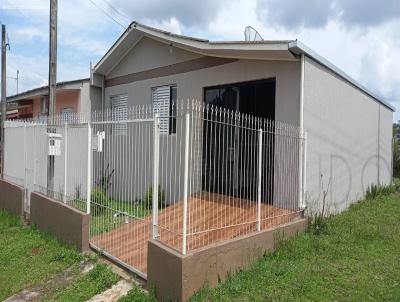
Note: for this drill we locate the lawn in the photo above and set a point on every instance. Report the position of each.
(356, 258)
(85, 286)
(30, 258)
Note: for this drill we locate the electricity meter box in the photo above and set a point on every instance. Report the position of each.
(54, 144)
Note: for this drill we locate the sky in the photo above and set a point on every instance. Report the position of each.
(361, 37)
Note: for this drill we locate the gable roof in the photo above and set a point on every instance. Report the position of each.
(43, 90)
(283, 50)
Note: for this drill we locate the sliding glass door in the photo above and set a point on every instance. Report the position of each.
(230, 148)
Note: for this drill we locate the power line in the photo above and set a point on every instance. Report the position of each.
(107, 14)
(117, 11)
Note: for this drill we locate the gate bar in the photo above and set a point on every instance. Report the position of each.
(260, 133)
(155, 175)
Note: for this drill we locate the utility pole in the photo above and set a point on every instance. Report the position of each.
(52, 89)
(3, 92)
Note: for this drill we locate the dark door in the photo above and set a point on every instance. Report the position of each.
(230, 157)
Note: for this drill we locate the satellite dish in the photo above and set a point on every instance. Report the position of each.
(250, 34)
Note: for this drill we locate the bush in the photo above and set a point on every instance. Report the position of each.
(98, 200)
(375, 191)
(148, 197)
(396, 158)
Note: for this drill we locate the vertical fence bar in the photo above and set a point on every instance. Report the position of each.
(89, 153)
(155, 175)
(300, 172)
(304, 170)
(65, 162)
(185, 182)
(25, 172)
(260, 133)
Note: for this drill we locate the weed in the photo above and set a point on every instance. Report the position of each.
(99, 201)
(376, 191)
(148, 197)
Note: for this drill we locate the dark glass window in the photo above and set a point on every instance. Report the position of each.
(172, 110)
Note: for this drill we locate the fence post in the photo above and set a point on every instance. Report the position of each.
(260, 133)
(89, 158)
(185, 182)
(65, 162)
(156, 151)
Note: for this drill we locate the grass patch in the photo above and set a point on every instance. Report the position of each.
(87, 285)
(356, 258)
(104, 220)
(138, 295)
(28, 257)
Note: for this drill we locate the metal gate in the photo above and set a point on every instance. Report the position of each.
(122, 186)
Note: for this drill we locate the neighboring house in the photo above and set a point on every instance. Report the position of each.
(72, 97)
(349, 127)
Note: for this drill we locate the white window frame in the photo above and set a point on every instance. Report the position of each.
(161, 98)
(67, 114)
(119, 110)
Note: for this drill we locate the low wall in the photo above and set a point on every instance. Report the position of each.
(60, 220)
(12, 198)
(178, 277)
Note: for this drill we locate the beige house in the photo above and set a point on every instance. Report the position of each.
(72, 97)
(349, 127)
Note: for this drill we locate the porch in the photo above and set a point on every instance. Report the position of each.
(213, 218)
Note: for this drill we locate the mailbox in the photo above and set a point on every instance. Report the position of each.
(54, 144)
(97, 141)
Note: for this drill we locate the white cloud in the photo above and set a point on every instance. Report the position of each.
(370, 54)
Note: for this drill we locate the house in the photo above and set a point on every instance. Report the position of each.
(349, 128)
(204, 153)
(72, 97)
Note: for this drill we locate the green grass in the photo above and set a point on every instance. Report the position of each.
(87, 285)
(28, 257)
(104, 221)
(357, 258)
(138, 295)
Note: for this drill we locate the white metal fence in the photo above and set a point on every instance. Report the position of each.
(210, 174)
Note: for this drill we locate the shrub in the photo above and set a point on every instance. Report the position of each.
(98, 201)
(148, 197)
(396, 158)
(375, 191)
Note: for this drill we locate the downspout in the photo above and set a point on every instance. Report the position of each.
(302, 153)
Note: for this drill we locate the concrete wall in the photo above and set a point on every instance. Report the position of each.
(67, 224)
(95, 98)
(178, 277)
(347, 132)
(12, 198)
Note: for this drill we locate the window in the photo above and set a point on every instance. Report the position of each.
(164, 104)
(66, 114)
(119, 107)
